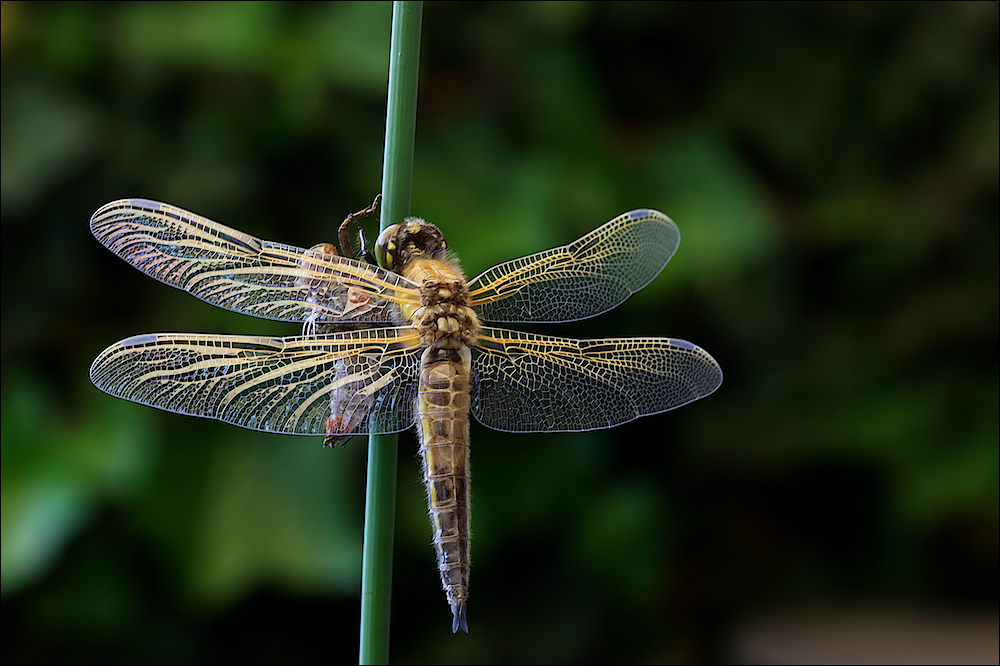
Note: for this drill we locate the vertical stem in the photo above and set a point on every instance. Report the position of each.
(397, 178)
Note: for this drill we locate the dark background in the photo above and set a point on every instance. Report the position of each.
(834, 173)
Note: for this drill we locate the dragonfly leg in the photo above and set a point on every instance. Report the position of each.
(345, 235)
(335, 427)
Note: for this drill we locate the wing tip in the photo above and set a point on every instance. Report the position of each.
(711, 375)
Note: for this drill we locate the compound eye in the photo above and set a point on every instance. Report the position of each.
(385, 247)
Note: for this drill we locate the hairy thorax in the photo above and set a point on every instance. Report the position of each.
(444, 319)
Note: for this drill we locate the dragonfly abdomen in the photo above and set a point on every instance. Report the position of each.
(443, 423)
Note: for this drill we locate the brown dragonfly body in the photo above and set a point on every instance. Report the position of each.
(448, 329)
(389, 346)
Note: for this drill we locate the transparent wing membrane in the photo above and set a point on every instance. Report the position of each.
(583, 279)
(239, 272)
(339, 384)
(535, 383)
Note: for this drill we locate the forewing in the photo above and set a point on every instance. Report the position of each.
(239, 272)
(585, 278)
(343, 383)
(536, 383)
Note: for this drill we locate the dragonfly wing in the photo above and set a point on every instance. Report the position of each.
(338, 384)
(585, 278)
(239, 272)
(535, 383)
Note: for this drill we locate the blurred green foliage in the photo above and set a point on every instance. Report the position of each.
(833, 169)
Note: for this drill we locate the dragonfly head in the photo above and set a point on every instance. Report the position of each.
(401, 243)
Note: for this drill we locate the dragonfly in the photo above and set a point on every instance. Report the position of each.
(398, 338)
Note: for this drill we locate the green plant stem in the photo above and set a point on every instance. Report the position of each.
(397, 178)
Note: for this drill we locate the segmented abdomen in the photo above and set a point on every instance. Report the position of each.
(443, 422)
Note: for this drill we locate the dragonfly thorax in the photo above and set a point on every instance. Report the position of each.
(446, 325)
(444, 314)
